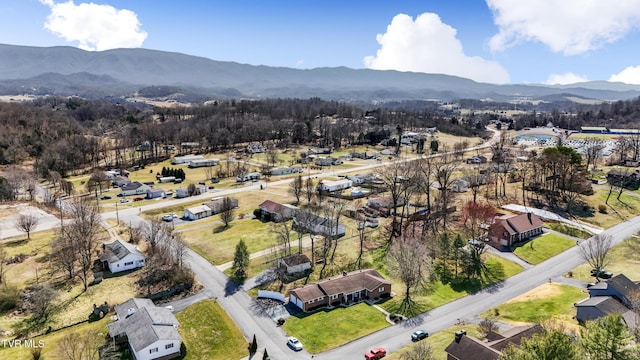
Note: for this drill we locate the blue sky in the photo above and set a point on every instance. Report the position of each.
(494, 41)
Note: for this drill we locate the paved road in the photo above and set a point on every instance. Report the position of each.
(395, 337)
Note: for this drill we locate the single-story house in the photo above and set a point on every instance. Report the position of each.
(271, 210)
(121, 181)
(627, 179)
(285, 170)
(385, 202)
(154, 193)
(465, 347)
(134, 188)
(184, 191)
(217, 204)
(150, 331)
(509, 229)
(347, 288)
(334, 185)
(357, 179)
(612, 296)
(459, 185)
(295, 263)
(315, 224)
(120, 256)
(197, 212)
(185, 159)
(255, 148)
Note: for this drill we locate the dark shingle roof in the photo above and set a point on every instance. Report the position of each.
(295, 259)
(342, 284)
(469, 348)
(117, 250)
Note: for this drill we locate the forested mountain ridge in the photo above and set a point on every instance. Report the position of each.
(66, 71)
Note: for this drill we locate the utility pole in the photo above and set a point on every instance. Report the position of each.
(117, 217)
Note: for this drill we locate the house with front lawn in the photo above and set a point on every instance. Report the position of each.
(314, 224)
(120, 256)
(134, 188)
(151, 332)
(465, 347)
(155, 193)
(345, 289)
(612, 296)
(507, 230)
(197, 212)
(276, 212)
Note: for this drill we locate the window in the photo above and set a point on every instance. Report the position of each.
(381, 289)
(333, 297)
(311, 301)
(151, 351)
(168, 346)
(320, 298)
(128, 263)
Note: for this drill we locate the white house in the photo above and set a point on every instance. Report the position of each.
(121, 181)
(459, 185)
(121, 256)
(185, 159)
(197, 212)
(134, 188)
(151, 331)
(184, 191)
(285, 170)
(295, 263)
(315, 224)
(154, 193)
(337, 185)
(203, 163)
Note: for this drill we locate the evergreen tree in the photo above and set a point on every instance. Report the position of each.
(241, 261)
(265, 356)
(607, 338)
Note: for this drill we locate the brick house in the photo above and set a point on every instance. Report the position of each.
(465, 347)
(509, 229)
(348, 288)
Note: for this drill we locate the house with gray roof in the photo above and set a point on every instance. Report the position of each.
(150, 331)
(465, 347)
(120, 256)
(612, 296)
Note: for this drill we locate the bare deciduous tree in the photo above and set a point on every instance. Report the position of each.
(419, 351)
(295, 188)
(85, 233)
(408, 258)
(595, 251)
(3, 262)
(63, 254)
(80, 346)
(227, 212)
(27, 223)
(282, 232)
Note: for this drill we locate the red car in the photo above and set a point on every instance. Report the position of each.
(375, 353)
(138, 199)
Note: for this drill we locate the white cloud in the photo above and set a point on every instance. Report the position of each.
(566, 78)
(94, 26)
(430, 46)
(566, 26)
(630, 75)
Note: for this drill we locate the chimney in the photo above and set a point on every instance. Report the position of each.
(344, 273)
(529, 217)
(459, 334)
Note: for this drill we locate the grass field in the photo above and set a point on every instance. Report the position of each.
(617, 210)
(209, 333)
(546, 302)
(621, 259)
(438, 294)
(542, 248)
(347, 324)
(52, 341)
(438, 341)
(568, 230)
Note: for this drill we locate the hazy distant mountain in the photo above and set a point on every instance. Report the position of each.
(121, 72)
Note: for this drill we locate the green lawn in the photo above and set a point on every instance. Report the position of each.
(621, 259)
(438, 341)
(209, 333)
(218, 245)
(542, 248)
(328, 329)
(549, 301)
(568, 230)
(438, 294)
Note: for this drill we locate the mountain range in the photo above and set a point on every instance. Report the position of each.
(68, 71)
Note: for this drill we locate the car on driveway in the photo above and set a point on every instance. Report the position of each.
(106, 197)
(294, 343)
(419, 335)
(169, 217)
(376, 353)
(601, 274)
